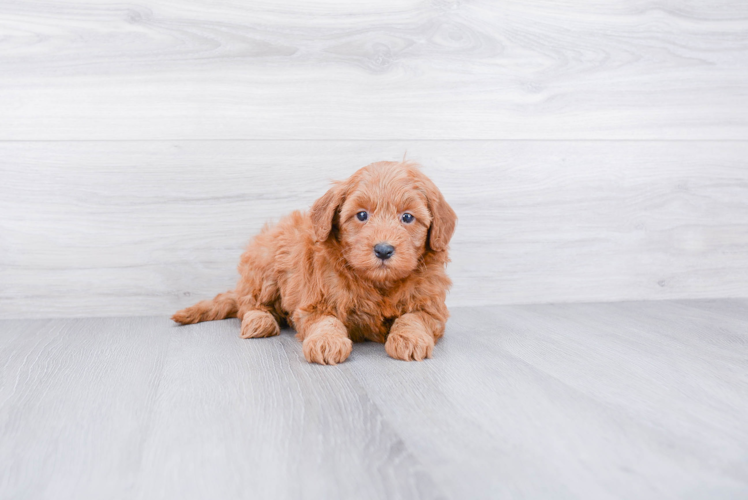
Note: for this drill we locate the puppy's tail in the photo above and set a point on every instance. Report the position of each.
(224, 305)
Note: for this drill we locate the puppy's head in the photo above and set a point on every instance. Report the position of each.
(385, 216)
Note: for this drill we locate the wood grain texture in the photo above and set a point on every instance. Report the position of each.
(625, 400)
(640, 400)
(291, 69)
(244, 420)
(119, 228)
(76, 400)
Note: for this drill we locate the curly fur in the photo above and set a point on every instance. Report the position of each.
(317, 271)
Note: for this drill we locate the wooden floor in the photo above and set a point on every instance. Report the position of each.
(619, 400)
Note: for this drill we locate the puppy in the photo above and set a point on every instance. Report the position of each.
(366, 263)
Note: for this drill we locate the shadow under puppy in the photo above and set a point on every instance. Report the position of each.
(366, 263)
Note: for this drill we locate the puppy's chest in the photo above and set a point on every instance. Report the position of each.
(372, 319)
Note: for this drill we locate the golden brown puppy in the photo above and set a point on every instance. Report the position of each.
(366, 263)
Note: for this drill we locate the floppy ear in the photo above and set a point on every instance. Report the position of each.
(444, 219)
(323, 211)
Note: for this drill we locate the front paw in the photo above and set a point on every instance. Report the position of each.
(409, 343)
(327, 348)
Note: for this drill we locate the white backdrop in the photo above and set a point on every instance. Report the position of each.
(593, 152)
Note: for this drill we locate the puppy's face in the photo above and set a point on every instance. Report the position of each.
(383, 225)
(386, 216)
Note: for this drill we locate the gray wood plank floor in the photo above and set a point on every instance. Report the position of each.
(617, 400)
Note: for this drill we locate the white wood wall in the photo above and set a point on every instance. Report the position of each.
(594, 151)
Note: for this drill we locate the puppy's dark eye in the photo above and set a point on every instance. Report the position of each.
(362, 216)
(407, 218)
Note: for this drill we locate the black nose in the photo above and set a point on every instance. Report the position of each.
(383, 250)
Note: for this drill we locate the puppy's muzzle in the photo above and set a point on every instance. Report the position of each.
(383, 250)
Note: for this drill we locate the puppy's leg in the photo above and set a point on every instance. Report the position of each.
(326, 341)
(412, 336)
(257, 324)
